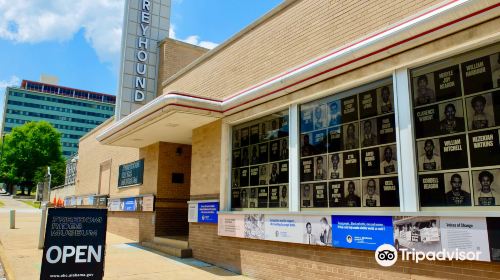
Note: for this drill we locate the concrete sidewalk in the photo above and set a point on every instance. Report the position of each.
(124, 258)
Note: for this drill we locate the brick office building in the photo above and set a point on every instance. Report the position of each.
(320, 113)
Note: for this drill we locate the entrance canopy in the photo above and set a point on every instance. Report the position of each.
(167, 118)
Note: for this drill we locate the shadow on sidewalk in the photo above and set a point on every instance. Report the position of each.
(219, 271)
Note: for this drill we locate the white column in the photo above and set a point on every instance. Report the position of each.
(293, 153)
(225, 168)
(405, 137)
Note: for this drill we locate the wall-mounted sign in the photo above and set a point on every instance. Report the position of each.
(207, 212)
(361, 232)
(203, 211)
(129, 204)
(146, 23)
(131, 173)
(132, 204)
(192, 212)
(96, 201)
(75, 243)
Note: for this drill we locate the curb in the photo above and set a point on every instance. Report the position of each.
(6, 267)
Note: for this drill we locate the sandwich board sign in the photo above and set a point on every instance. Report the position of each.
(75, 242)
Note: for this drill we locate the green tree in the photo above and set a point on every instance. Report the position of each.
(6, 170)
(29, 149)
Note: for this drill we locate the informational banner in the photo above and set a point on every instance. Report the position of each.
(465, 235)
(192, 212)
(114, 205)
(129, 204)
(419, 233)
(449, 236)
(148, 203)
(232, 225)
(361, 232)
(75, 243)
(87, 201)
(317, 230)
(254, 226)
(132, 204)
(131, 173)
(207, 212)
(284, 228)
(312, 230)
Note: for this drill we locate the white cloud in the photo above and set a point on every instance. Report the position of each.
(193, 39)
(208, 44)
(171, 31)
(13, 81)
(34, 21)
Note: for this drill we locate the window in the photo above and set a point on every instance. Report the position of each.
(259, 173)
(457, 125)
(348, 149)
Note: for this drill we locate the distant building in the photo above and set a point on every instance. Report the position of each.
(73, 112)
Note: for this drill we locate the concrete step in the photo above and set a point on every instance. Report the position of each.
(173, 251)
(180, 242)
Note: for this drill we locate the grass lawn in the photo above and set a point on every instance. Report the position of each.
(33, 192)
(31, 203)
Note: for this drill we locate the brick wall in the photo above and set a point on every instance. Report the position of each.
(279, 260)
(150, 179)
(137, 226)
(300, 31)
(175, 55)
(169, 162)
(92, 154)
(171, 199)
(206, 160)
(171, 221)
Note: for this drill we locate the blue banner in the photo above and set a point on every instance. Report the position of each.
(362, 232)
(207, 212)
(129, 204)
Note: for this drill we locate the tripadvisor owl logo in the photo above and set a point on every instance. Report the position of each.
(386, 255)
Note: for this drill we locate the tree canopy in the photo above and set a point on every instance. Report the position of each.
(28, 150)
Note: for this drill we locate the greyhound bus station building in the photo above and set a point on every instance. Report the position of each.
(314, 135)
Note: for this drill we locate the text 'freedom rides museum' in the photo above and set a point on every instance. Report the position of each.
(319, 132)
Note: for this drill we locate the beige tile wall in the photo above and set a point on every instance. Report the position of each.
(273, 260)
(92, 154)
(175, 55)
(206, 163)
(299, 32)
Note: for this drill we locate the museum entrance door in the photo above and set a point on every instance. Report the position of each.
(172, 195)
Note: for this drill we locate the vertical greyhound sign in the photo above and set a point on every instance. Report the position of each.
(146, 23)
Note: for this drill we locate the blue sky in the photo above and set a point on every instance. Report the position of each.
(79, 40)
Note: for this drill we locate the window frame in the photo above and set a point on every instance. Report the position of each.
(339, 95)
(458, 57)
(405, 133)
(227, 144)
